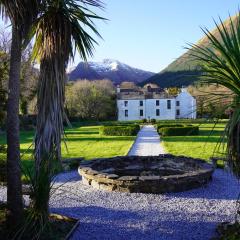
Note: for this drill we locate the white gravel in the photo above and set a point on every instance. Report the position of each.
(147, 143)
(123, 216)
(112, 215)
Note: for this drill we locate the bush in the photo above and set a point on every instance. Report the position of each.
(159, 126)
(118, 130)
(153, 120)
(27, 122)
(144, 120)
(179, 131)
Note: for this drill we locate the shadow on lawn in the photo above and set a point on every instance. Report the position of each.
(81, 132)
(26, 150)
(71, 138)
(203, 139)
(104, 139)
(211, 132)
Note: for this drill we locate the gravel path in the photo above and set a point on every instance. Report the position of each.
(147, 143)
(190, 215)
(118, 216)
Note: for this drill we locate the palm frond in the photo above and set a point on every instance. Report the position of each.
(62, 28)
(22, 13)
(220, 64)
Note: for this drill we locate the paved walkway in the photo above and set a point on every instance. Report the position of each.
(147, 143)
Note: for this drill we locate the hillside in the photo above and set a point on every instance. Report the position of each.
(184, 71)
(110, 69)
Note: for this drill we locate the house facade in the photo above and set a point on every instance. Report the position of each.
(154, 103)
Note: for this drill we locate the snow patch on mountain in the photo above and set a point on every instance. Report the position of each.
(108, 69)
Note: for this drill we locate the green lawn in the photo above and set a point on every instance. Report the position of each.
(201, 146)
(82, 141)
(85, 141)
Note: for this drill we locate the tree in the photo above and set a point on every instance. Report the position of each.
(4, 67)
(212, 100)
(220, 63)
(28, 75)
(21, 14)
(28, 81)
(59, 30)
(173, 91)
(92, 100)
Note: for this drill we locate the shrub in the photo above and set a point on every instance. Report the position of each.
(159, 126)
(153, 120)
(144, 120)
(27, 122)
(118, 130)
(179, 131)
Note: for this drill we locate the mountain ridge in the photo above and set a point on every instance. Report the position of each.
(111, 69)
(184, 71)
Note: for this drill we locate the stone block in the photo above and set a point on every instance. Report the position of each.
(151, 174)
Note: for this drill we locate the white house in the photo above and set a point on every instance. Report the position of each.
(154, 103)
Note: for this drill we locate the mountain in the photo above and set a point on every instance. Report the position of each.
(184, 71)
(108, 69)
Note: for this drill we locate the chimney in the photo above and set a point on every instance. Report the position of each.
(149, 88)
(118, 89)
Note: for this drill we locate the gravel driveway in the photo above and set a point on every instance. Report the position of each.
(111, 215)
(118, 216)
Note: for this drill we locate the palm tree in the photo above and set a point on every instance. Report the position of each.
(59, 30)
(220, 63)
(21, 14)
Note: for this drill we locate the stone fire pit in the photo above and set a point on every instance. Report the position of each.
(152, 174)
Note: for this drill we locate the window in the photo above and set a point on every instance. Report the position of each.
(178, 103)
(141, 112)
(157, 112)
(126, 113)
(140, 103)
(178, 112)
(157, 102)
(168, 104)
(125, 103)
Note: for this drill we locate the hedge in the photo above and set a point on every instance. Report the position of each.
(120, 130)
(179, 131)
(153, 121)
(159, 126)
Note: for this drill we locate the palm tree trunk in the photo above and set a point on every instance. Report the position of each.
(14, 186)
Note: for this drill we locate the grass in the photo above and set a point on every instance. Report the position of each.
(201, 146)
(81, 141)
(85, 141)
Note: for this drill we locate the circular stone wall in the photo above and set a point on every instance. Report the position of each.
(152, 174)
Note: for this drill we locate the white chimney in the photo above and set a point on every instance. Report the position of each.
(118, 89)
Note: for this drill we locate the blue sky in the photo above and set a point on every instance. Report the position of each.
(150, 34)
